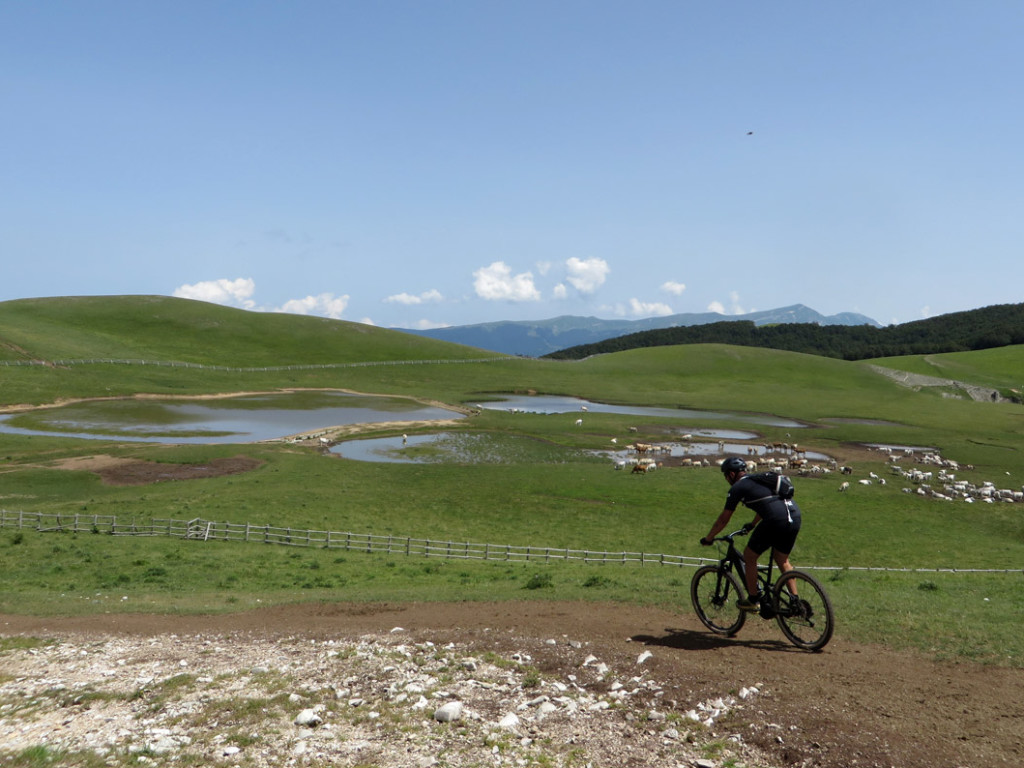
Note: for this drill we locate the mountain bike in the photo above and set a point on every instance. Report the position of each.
(796, 600)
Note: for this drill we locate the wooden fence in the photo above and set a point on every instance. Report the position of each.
(198, 529)
(208, 530)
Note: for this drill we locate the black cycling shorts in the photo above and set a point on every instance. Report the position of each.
(780, 534)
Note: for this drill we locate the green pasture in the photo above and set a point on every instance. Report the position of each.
(551, 490)
(999, 368)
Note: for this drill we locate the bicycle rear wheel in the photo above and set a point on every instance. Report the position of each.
(807, 618)
(714, 594)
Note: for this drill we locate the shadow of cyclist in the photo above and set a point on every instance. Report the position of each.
(690, 640)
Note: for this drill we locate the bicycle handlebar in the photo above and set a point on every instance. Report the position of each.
(730, 536)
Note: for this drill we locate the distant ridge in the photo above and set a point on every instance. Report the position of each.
(985, 328)
(536, 338)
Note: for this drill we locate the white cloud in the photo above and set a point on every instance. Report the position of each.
(735, 309)
(238, 293)
(587, 275)
(408, 299)
(926, 312)
(671, 286)
(560, 291)
(648, 308)
(233, 293)
(326, 304)
(496, 282)
(429, 325)
(543, 267)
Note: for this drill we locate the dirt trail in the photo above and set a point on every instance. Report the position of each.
(851, 705)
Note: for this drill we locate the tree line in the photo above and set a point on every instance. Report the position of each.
(995, 326)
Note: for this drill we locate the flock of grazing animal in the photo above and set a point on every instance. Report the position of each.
(939, 479)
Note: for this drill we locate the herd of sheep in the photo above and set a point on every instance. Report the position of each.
(931, 475)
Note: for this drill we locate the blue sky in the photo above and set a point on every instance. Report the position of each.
(430, 163)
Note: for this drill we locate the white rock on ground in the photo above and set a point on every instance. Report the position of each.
(175, 700)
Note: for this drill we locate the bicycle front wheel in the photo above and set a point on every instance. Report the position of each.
(714, 593)
(803, 610)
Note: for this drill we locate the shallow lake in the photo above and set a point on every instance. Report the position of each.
(460, 448)
(254, 418)
(242, 419)
(496, 448)
(557, 404)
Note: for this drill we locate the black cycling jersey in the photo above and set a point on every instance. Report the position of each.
(780, 519)
(758, 498)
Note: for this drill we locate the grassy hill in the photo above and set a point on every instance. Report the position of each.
(170, 329)
(1001, 368)
(551, 495)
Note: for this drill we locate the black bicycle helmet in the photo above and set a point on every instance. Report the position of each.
(733, 464)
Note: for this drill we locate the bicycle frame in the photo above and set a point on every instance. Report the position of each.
(733, 559)
(807, 618)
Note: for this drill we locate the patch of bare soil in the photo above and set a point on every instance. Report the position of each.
(849, 705)
(118, 471)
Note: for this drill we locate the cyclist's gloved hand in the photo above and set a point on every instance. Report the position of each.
(747, 528)
(706, 542)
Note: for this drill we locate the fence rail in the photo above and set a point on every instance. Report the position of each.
(208, 530)
(199, 529)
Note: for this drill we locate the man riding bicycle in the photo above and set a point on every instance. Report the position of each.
(776, 524)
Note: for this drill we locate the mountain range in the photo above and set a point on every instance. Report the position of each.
(535, 338)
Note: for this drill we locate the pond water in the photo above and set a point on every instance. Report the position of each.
(253, 418)
(558, 404)
(242, 419)
(487, 448)
(460, 448)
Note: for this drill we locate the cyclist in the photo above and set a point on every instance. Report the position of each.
(776, 524)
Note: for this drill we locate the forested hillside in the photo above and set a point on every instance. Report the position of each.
(985, 328)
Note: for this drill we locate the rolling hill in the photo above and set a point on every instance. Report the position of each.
(183, 330)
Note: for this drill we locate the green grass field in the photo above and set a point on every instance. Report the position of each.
(548, 494)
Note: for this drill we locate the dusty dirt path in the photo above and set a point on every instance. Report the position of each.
(850, 705)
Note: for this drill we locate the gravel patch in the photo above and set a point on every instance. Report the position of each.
(379, 700)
